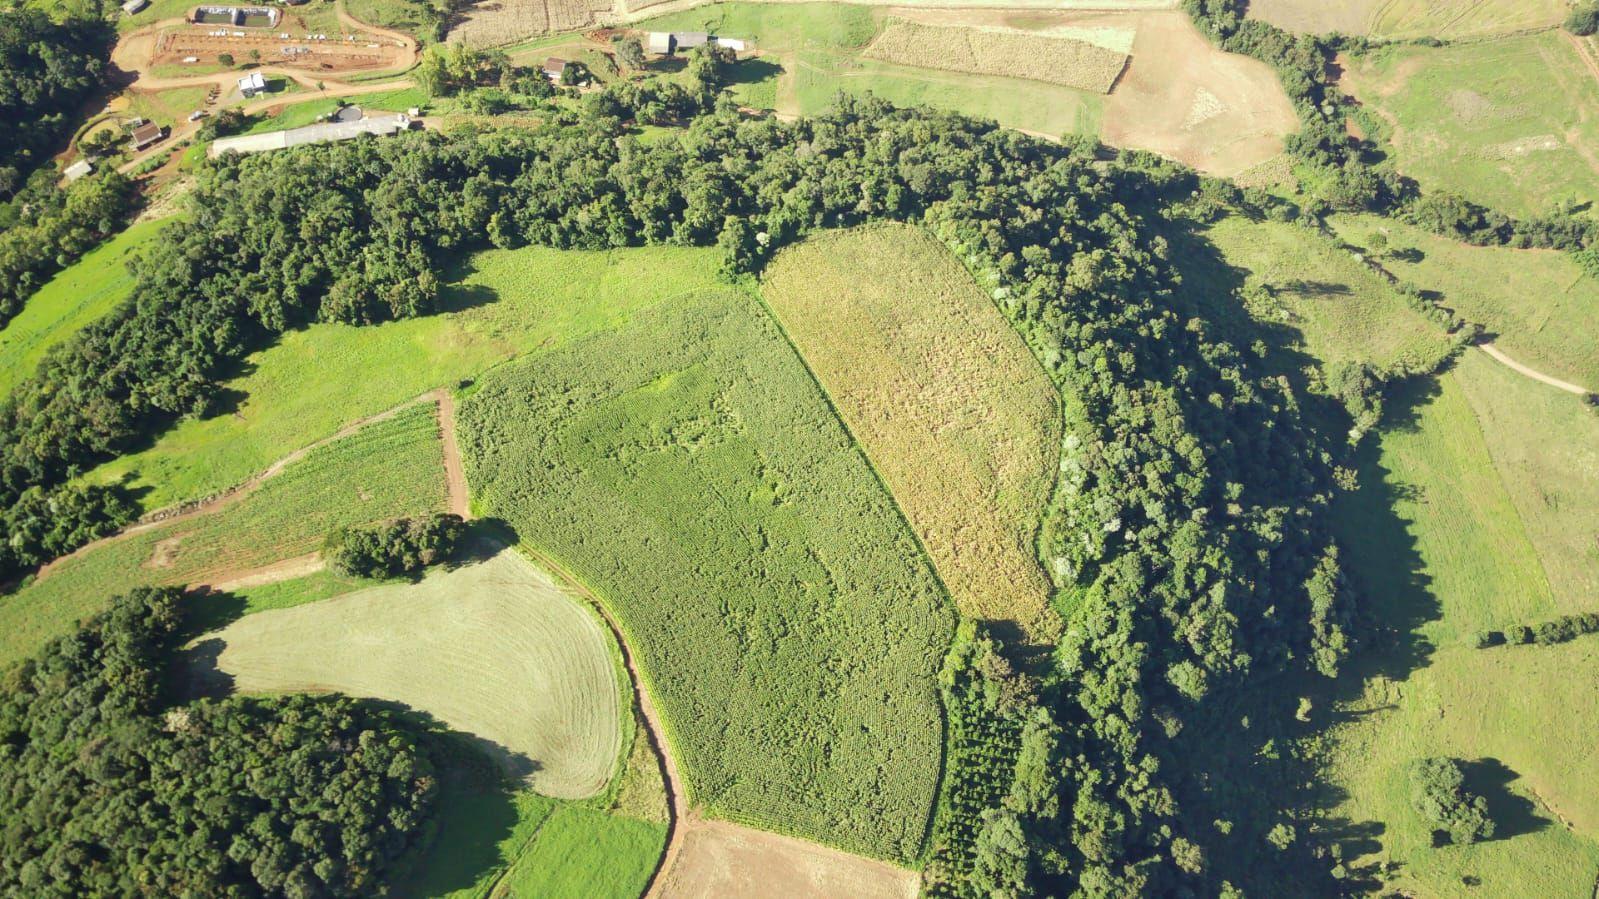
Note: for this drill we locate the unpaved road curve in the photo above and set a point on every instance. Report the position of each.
(652, 724)
(1497, 355)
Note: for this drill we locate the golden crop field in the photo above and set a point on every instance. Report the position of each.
(1012, 54)
(953, 410)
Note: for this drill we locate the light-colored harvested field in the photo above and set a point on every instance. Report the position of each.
(495, 649)
(1013, 54)
(1181, 97)
(655, 7)
(1444, 19)
(947, 401)
(496, 23)
(726, 861)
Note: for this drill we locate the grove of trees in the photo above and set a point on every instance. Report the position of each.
(1438, 794)
(106, 789)
(394, 548)
(47, 69)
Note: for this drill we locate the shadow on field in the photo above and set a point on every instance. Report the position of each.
(1513, 815)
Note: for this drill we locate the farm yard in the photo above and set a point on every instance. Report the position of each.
(946, 400)
(783, 615)
(493, 648)
(1512, 123)
(389, 469)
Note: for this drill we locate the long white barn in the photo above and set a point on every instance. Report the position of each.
(310, 134)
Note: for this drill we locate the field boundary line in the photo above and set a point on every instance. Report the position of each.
(654, 724)
(222, 500)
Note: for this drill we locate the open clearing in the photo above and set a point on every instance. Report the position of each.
(79, 294)
(1443, 19)
(945, 398)
(1015, 54)
(1537, 304)
(389, 469)
(494, 649)
(1179, 95)
(312, 382)
(584, 852)
(726, 861)
(688, 470)
(1512, 124)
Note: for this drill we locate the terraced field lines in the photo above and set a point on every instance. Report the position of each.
(686, 467)
(1014, 54)
(494, 649)
(945, 398)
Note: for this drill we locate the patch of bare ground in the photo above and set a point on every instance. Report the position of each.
(1181, 97)
(729, 861)
(1317, 16)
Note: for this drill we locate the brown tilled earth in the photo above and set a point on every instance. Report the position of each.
(729, 861)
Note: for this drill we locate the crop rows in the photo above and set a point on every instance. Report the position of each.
(686, 467)
(1064, 61)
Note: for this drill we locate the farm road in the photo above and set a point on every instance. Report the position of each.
(1498, 355)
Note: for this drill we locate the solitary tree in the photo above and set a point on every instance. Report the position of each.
(226, 59)
(630, 52)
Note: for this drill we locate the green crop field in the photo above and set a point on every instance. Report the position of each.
(581, 852)
(81, 293)
(1340, 309)
(389, 469)
(1538, 305)
(314, 381)
(494, 649)
(945, 398)
(1445, 538)
(1512, 123)
(686, 467)
(809, 52)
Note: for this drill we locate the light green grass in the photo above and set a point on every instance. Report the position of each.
(169, 107)
(482, 831)
(1457, 19)
(309, 112)
(1512, 124)
(79, 294)
(687, 468)
(400, 15)
(582, 853)
(1538, 305)
(778, 26)
(1442, 542)
(389, 469)
(1341, 310)
(314, 381)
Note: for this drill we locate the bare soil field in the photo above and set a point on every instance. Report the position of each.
(720, 860)
(1014, 54)
(495, 649)
(1317, 16)
(946, 400)
(1218, 112)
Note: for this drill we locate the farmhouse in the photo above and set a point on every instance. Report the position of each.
(665, 43)
(252, 84)
(554, 68)
(133, 6)
(311, 134)
(147, 134)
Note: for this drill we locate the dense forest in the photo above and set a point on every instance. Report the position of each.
(106, 790)
(1187, 537)
(47, 69)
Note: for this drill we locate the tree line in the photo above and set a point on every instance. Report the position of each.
(47, 229)
(107, 789)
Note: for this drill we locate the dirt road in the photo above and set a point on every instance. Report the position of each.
(454, 474)
(1496, 354)
(677, 806)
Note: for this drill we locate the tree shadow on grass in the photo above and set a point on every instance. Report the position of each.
(1513, 815)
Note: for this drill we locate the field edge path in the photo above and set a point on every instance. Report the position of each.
(1499, 356)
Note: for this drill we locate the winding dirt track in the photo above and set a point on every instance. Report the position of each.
(1498, 355)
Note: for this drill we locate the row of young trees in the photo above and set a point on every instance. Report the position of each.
(106, 790)
(1188, 535)
(47, 69)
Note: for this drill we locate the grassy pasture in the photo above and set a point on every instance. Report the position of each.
(1458, 552)
(1512, 124)
(583, 853)
(314, 381)
(494, 649)
(1064, 61)
(686, 468)
(1340, 310)
(947, 401)
(1538, 304)
(389, 469)
(77, 295)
